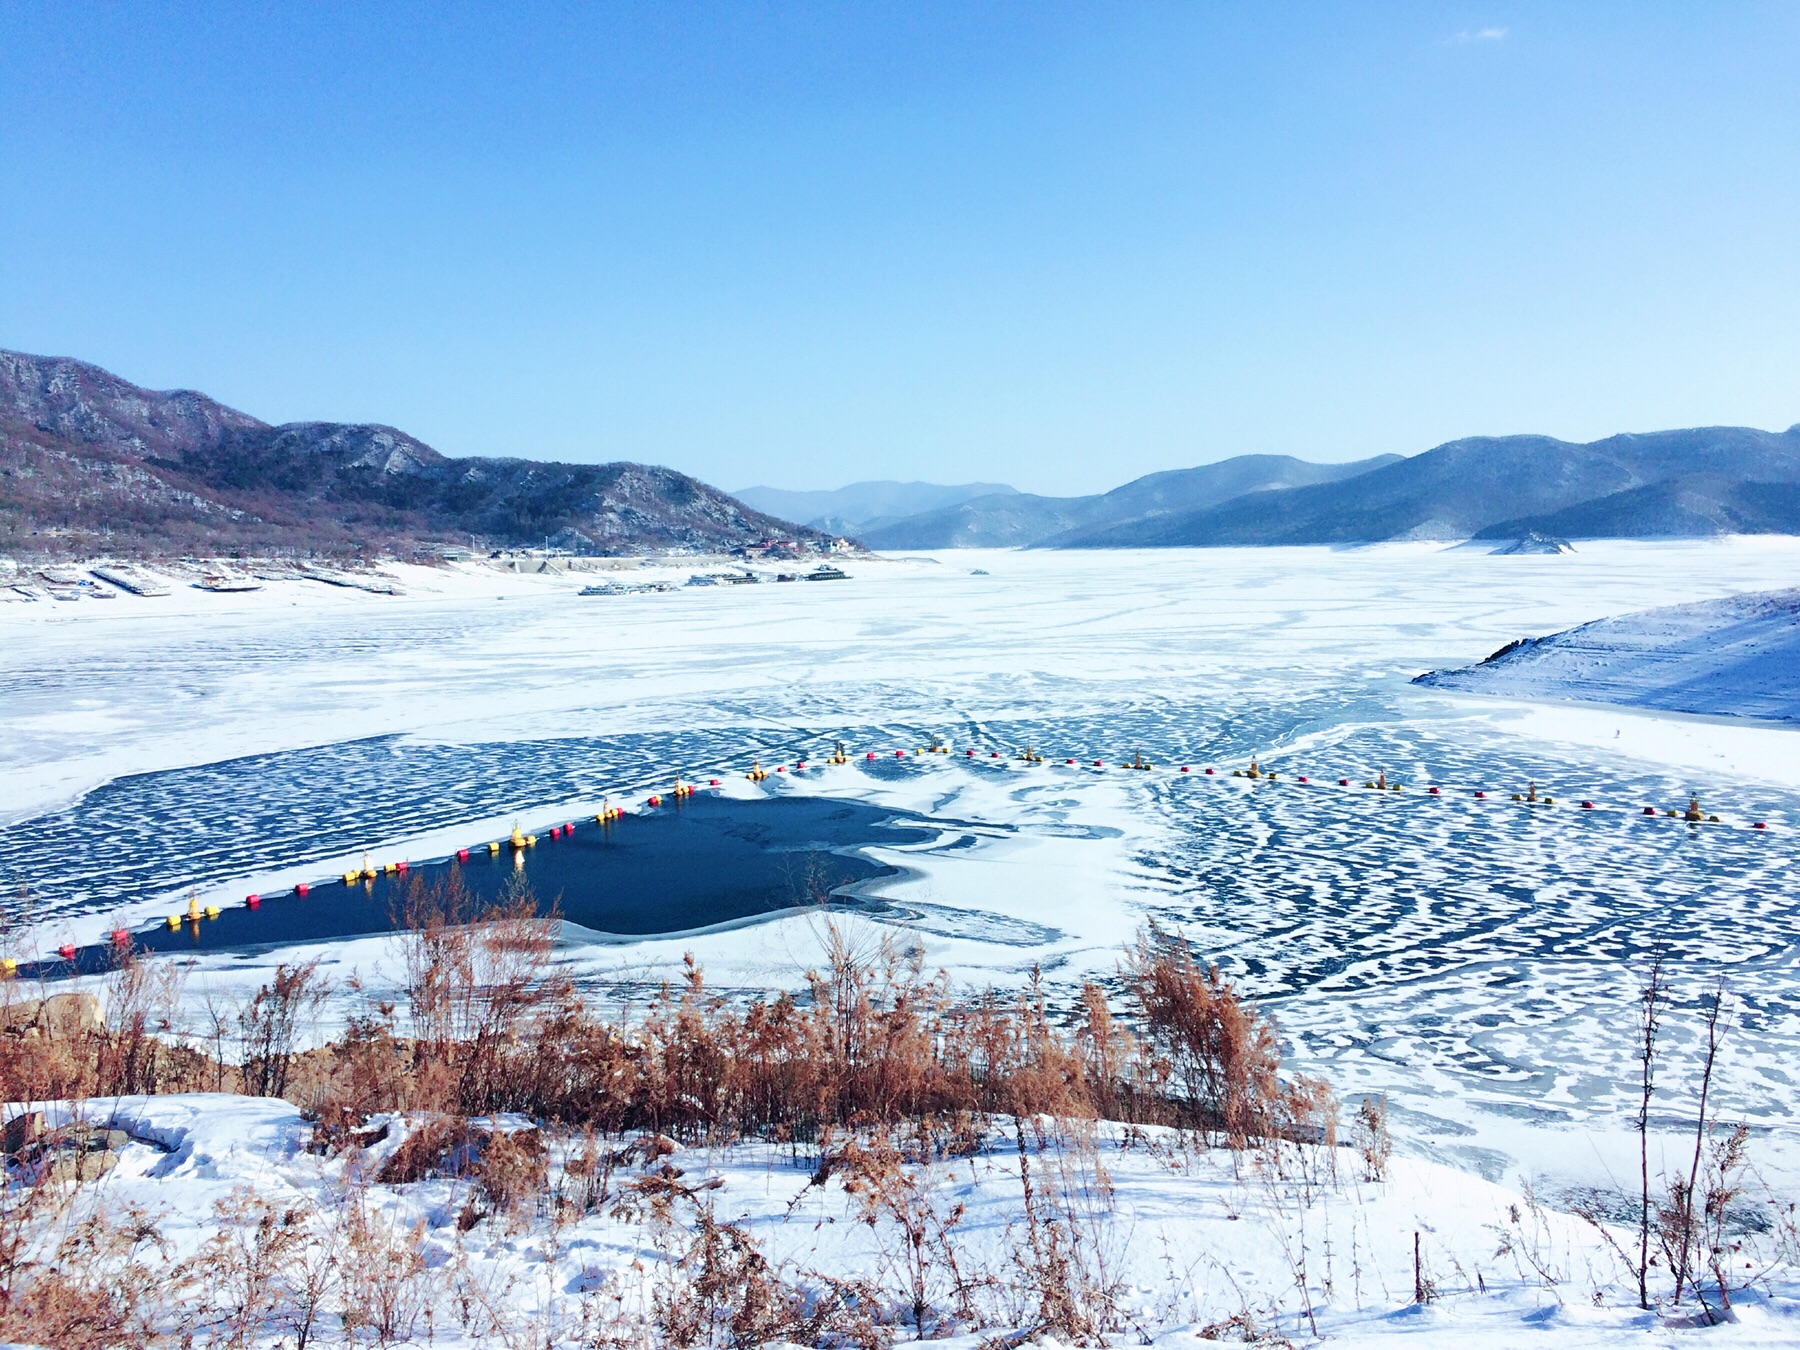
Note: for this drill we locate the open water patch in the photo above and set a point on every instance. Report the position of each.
(701, 862)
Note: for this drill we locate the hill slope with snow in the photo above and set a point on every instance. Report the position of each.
(1736, 657)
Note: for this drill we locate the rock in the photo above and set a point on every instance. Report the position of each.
(21, 1132)
(61, 1014)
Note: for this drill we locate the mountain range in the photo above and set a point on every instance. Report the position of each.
(1700, 481)
(92, 463)
(865, 506)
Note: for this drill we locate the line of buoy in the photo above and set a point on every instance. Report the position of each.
(520, 841)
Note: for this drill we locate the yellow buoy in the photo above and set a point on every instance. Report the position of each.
(212, 911)
(518, 839)
(349, 878)
(9, 966)
(193, 907)
(493, 846)
(174, 920)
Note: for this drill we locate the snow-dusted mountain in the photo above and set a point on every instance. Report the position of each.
(90, 460)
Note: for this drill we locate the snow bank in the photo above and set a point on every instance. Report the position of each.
(1734, 657)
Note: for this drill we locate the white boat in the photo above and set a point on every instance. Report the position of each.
(221, 583)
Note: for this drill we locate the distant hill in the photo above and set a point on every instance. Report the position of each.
(1736, 657)
(860, 505)
(1023, 519)
(90, 462)
(1706, 480)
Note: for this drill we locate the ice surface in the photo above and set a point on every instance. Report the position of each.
(1474, 960)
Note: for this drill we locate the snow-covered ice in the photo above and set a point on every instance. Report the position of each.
(1473, 960)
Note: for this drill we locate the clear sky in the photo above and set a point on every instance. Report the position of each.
(1052, 245)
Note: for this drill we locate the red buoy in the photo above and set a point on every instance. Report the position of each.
(1760, 825)
(969, 753)
(781, 768)
(462, 855)
(1481, 794)
(1099, 764)
(871, 754)
(993, 754)
(798, 767)
(1345, 782)
(302, 889)
(899, 754)
(1304, 779)
(568, 829)
(401, 865)
(654, 801)
(1184, 770)
(66, 951)
(712, 782)
(1434, 792)
(252, 902)
(121, 938)
(1649, 810)
(1587, 806)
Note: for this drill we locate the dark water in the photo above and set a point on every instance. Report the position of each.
(707, 861)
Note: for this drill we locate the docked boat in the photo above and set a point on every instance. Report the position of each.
(828, 573)
(223, 583)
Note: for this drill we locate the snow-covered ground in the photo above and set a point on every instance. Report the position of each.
(1474, 960)
(1301, 1246)
(1736, 657)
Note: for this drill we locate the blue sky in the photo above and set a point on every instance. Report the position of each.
(1054, 245)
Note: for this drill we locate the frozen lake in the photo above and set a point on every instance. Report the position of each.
(1474, 959)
